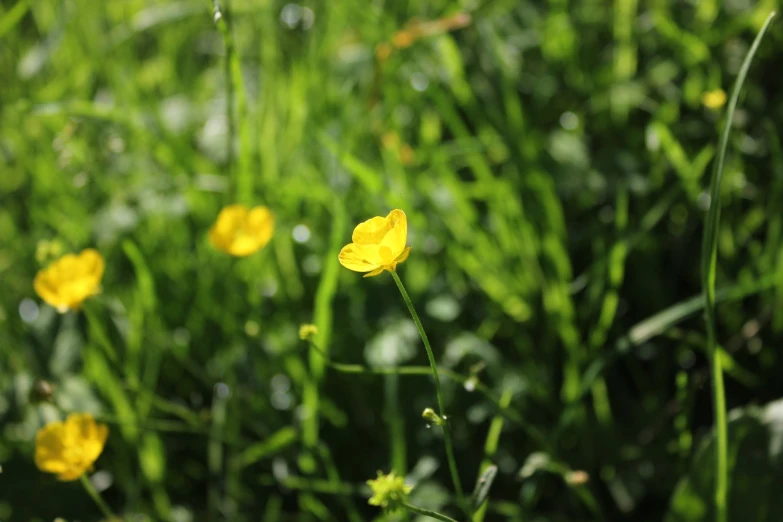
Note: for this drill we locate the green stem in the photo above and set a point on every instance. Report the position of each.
(709, 265)
(439, 392)
(427, 512)
(721, 439)
(96, 497)
(98, 333)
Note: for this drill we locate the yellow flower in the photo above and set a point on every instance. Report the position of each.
(714, 99)
(378, 244)
(69, 449)
(68, 281)
(307, 331)
(241, 231)
(388, 491)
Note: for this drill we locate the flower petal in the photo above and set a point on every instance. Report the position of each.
(68, 281)
(371, 232)
(46, 288)
(402, 257)
(228, 220)
(374, 272)
(353, 257)
(92, 264)
(397, 236)
(240, 231)
(91, 435)
(49, 448)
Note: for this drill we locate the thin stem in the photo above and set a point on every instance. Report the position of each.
(228, 42)
(441, 404)
(99, 335)
(721, 439)
(96, 497)
(427, 512)
(709, 262)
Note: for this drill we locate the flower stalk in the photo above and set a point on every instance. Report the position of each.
(441, 404)
(428, 513)
(96, 497)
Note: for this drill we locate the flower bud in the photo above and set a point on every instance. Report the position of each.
(432, 417)
(307, 332)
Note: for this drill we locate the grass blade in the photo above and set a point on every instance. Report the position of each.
(709, 255)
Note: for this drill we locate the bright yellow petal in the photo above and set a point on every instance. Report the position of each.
(92, 436)
(50, 448)
(374, 272)
(261, 223)
(371, 232)
(92, 264)
(217, 239)
(353, 257)
(71, 473)
(44, 286)
(89, 434)
(402, 257)
(68, 281)
(397, 236)
(229, 219)
(240, 231)
(398, 218)
(231, 216)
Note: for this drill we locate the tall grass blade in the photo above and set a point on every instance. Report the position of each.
(709, 270)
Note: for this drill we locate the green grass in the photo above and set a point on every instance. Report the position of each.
(552, 159)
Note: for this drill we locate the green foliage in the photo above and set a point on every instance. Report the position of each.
(755, 455)
(551, 159)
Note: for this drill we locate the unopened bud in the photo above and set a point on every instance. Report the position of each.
(430, 415)
(307, 331)
(42, 391)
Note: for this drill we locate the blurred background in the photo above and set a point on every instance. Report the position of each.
(552, 158)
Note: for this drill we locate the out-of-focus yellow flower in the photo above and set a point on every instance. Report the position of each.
(241, 231)
(307, 331)
(388, 491)
(714, 99)
(378, 244)
(70, 448)
(68, 281)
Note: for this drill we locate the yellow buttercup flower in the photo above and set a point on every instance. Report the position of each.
(241, 231)
(68, 281)
(388, 491)
(70, 448)
(714, 99)
(307, 331)
(378, 244)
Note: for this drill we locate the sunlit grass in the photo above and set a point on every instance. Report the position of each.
(550, 159)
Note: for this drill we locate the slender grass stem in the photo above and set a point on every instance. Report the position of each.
(441, 405)
(240, 166)
(222, 26)
(96, 497)
(427, 512)
(721, 437)
(709, 256)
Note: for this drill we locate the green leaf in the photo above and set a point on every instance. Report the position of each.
(270, 446)
(756, 470)
(483, 484)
